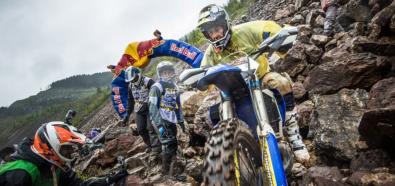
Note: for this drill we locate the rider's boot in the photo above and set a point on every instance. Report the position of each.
(166, 163)
(299, 148)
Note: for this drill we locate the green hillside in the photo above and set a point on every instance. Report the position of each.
(83, 93)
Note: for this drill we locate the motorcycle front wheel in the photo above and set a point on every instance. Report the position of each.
(232, 155)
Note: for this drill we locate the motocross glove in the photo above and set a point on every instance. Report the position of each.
(161, 131)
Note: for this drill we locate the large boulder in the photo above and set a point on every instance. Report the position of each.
(381, 19)
(376, 178)
(304, 111)
(294, 62)
(333, 55)
(370, 160)
(346, 70)
(377, 126)
(304, 33)
(382, 94)
(334, 123)
(363, 44)
(119, 146)
(358, 10)
(322, 176)
(313, 53)
(319, 40)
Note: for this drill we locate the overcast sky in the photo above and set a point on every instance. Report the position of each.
(42, 41)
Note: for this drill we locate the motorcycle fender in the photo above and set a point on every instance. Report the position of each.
(273, 160)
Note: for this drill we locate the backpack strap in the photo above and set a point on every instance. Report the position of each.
(162, 92)
(159, 86)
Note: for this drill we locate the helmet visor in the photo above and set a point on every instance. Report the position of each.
(167, 73)
(69, 150)
(218, 28)
(131, 73)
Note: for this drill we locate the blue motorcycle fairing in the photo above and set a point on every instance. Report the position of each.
(232, 85)
(227, 78)
(246, 113)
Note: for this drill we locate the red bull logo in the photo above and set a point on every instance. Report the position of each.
(144, 48)
(117, 99)
(125, 62)
(182, 50)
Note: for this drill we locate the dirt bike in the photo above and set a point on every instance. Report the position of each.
(247, 146)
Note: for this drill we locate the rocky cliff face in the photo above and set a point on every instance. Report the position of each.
(345, 90)
(344, 86)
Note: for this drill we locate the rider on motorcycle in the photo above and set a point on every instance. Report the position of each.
(224, 39)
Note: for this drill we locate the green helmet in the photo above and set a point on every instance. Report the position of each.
(212, 16)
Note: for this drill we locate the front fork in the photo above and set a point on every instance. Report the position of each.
(227, 107)
(272, 165)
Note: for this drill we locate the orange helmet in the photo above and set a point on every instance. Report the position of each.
(57, 143)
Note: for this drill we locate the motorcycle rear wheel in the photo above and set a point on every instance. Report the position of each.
(232, 155)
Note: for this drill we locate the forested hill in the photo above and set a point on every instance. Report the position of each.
(84, 93)
(84, 81)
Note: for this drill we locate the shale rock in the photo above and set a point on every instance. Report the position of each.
(367, 178)
(341, 69)
(382, 94)
(335, 121)
(294, 62)
(370, 160)
(323, 176)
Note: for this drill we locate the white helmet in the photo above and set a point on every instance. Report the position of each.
(58, 143)
(131, 73)
(165, 71)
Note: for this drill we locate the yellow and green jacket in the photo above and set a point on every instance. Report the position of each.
(245, 37)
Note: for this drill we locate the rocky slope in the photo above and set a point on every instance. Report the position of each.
(345, 90)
